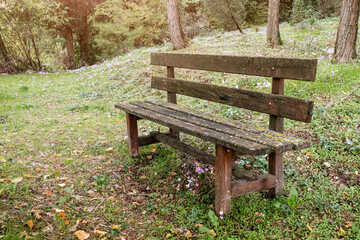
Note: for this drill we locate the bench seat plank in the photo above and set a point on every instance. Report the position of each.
(274, 143)
(295, 143)
(226, 140)
(228, 135)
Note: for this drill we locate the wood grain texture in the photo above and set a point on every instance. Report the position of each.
(216, 137)
(289, 68)
(133, 138)
(275, 159)
(201, 156)
(264, 182)
(283, 106)
(223, 164)
(298, 143)
(276, 143)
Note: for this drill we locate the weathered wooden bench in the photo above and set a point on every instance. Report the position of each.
(231, 138)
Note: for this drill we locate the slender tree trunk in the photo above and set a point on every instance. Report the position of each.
(177, 35)
(70, 48)
(232, 17)
(3, 50)
(345, 46)
(84, 35)
(273, 32)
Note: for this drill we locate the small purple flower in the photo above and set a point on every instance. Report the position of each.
(199, 170)
(179, 179)
(221, 213)
(261, 215)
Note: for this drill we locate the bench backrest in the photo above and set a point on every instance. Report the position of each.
(275, 104)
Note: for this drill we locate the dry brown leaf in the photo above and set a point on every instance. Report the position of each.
(136, 203)
(111, 199)
(48, 193)
(30, 224)
(212, 232)
(345, 194)
(173, 173)
(188, 234)
(99, 233)
(348, 224)
(259, 220)
(28, 175)
(169, 235)
(149, 157)
(341, 231)
(62, 214)
(142, 177)
(153, 150)
(37, 170)
(82, 235)
(198, 225)
(16, 180)
(63, 178)
(66, 222)
(110, 149)
(38, 216)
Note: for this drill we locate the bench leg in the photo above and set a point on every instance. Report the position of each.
(132, 131)
(276, 168)
(223, 162)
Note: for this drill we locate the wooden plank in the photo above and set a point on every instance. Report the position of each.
(171, 97)
(201, 156)
(223, 164)
(240, 145)
(283, 106)
(274, 143)
(290, 68)
(264, 182)
(149, 139)
(275, 159)
(298, 143)
(132, 131)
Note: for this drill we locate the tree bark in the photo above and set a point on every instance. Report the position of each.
(84, 35)
(70, 48)
(177, 35)
(273, 32)
(3, 50)
(345, 46)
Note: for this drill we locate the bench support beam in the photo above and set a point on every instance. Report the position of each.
(276, 159)
(133, 138)
(171, 97)
(223, 162)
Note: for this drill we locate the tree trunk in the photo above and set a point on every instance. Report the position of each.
(3, 50)
(70, 48)
(273, 33)
(232, 17)
(345, 46)
(177, 35)
(84, 35)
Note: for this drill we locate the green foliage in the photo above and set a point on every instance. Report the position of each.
(124, 25)
(304, 9)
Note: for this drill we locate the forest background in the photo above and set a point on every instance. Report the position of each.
(52, 35)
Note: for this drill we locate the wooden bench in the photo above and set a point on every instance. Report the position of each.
(231, 138)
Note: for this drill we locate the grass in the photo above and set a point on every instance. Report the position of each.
(64, 164)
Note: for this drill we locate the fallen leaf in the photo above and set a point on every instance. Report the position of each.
(1, 191)
(111, 199)
(136, 203)
(48, 193)
(3, 160)
(58, 210)
(348, 224)
(142, 177)
(16, 180)
(28, 175)
(327, 164)
(82, 235)
(66, 222)
(110, 149)
(115, 227)
(309, 227)
(62, 185)
(188, 234)
(173, 173)
(345, 194)
(63, 178)
(3, 179)
(153, 150)
(341, 231)
(212, 232)
(259, 220)
(149, 157)
(62, 214)
(37, 170)
(30, 224)
(169, 235)
(198, 225)
(38, 216)
(99, 233)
